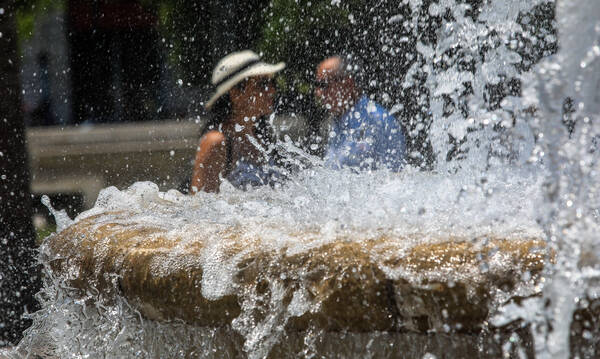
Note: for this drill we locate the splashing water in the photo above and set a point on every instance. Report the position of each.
(569, 213)
(411, 204)
(501, 170)
(61, 217)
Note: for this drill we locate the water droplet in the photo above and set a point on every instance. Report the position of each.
(61, 217)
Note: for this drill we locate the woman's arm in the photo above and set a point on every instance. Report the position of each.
(210, 163)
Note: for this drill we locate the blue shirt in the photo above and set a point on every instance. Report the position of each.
(246, 174)
(367, 137)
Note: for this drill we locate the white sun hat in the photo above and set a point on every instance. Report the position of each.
(234, 68)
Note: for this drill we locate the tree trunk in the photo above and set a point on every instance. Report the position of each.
(19, 273)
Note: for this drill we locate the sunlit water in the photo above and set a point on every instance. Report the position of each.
(328, 205)
(531, 179)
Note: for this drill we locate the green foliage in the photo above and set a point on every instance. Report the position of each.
(292, 25)
(44, 232)
(302, 33)
(25, 24)
(29, 11)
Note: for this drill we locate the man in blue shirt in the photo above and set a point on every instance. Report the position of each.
(364, 135)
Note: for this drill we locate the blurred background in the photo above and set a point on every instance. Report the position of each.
(113, 90)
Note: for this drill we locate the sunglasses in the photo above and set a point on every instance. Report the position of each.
(326, 83)
(265, 83)
(260, 83)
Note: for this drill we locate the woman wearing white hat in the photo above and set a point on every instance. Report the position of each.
(244, 97)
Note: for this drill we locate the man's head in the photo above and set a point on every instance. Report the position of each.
(335, 87)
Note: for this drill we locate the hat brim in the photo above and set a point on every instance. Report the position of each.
(260, 68)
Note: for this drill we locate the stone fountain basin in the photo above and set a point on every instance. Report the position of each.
(376, 283)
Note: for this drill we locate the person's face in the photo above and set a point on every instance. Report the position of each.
(258, 95)
(333, 91)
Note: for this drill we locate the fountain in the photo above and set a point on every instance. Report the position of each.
(492, 254)
(273, 274)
